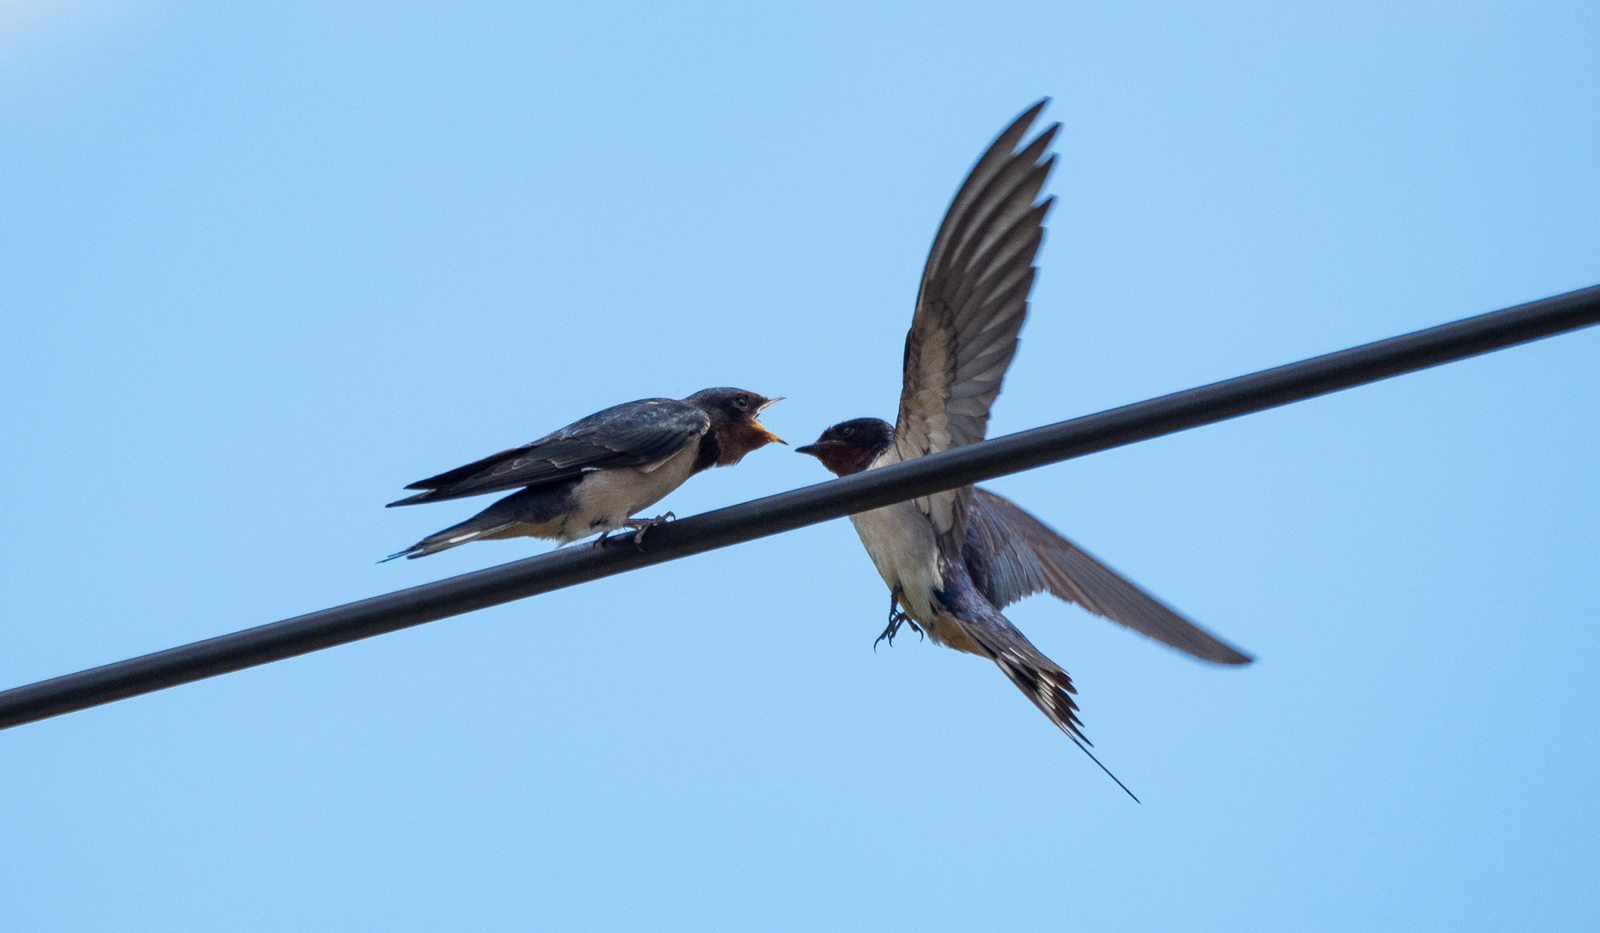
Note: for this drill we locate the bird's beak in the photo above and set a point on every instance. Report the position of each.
(764, 434)
(761, 429)
(814, 450)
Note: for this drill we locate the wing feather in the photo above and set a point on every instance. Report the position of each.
(628, 435)
(970, 307)
(1011, 554)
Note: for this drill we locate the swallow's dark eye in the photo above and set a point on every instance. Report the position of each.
(743, 401)
(847, 431)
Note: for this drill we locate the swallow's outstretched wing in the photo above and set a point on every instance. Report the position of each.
(1011, 554)
(629, 435)
(971, 305)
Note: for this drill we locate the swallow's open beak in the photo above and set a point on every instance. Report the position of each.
(761, 429)
(764, 434)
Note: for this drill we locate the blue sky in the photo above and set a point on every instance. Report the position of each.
(264, 264)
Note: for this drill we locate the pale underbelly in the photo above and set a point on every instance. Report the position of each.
(900, 541)
(606, 498)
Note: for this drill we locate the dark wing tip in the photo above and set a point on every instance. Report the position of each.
(1019, 128)
(1229, 655)
(412, 500)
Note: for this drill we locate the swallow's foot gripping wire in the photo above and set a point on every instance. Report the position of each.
(639, 526)
(897, 618)
(642, 525)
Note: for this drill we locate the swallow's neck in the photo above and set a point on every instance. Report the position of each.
(844, 459)
(736, 439)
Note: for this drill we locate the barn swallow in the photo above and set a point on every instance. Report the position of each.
(953, 560)
(592, 475)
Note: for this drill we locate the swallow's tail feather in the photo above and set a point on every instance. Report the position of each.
(472, 529)
(1040, 679)
(1050, 689)
(538, 512)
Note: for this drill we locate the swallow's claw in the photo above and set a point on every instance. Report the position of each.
(642, 525)
(895, 621)
(897, 618)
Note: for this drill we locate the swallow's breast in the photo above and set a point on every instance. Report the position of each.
(899, 539)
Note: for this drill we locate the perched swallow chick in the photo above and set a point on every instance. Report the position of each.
(952, 560)
(591, 476)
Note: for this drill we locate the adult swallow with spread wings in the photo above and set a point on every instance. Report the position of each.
(592, 475)
(954, 560)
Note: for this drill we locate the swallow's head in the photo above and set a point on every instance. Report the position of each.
(733, 419)
(849, 446)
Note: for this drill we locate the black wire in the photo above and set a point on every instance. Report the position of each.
(812, 504)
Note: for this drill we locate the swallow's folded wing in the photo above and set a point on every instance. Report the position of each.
(1011, 554)
(971, 304)
(628, 435)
